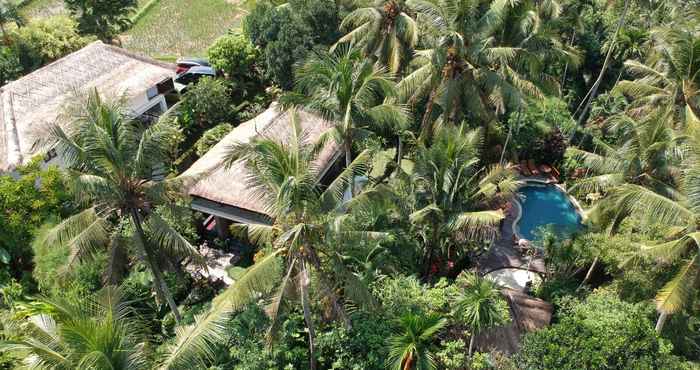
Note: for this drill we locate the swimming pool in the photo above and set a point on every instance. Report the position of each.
(546, 205)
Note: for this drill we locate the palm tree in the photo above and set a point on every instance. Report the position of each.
(98, 333)
(671, 76)
(644, 155)
(384, 30)
(300, 243)
(481, 305)
(350, 91)
(477, 66)
(681, 214)
(116, 170)
(456, 199)
(411, 348)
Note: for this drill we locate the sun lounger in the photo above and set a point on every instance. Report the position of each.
(531, 166)
(523, 169)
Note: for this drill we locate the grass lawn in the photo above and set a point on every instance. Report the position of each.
(174, 28)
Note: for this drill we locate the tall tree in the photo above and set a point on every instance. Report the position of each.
(645, 153)
(384, 30)
(411, 348)
(299, 245)
(680, 212)
(105, 18)
(481, 305)
(476, 65)
(671, 75)
(456, 198)
(351, 92)
(100, 333)
(116, 170)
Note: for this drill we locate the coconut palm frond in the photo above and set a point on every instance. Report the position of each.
(194, 344)
(674, 295)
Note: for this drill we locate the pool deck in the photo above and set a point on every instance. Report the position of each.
(503, 252)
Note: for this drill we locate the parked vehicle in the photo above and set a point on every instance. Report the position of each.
(191, 76)
(184, 64)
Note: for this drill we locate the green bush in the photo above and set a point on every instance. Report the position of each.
(235, 55)
(211, 137)
(25, 207)
(204, 105)
(601, 332)
(287, 34)
(45, 40)
(10, 67)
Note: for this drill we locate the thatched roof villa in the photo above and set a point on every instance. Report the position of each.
(31, 103)
(224, 193)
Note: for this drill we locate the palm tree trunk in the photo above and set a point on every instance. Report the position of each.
(5, 37)
(399, 151)
(661, 321)
(566, 67)
(426, 130)
(589, 273)
(408, 362)
(304, 288)
(162, 290)
(594, 89)
(471, 344)
(348, 162)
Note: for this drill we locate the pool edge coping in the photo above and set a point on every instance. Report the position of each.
(538, 182)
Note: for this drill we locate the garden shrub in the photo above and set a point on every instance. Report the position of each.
(211, 137)
(45, 40)
(10, 67)
(28, 201)
(204, 105)
(235, 55)
(604, 333)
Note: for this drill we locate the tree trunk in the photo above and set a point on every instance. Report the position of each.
(348, 162)
(162, 290)
(426, 130)
(399, 152)
(510, 133)
(408, 362)
(594, 89)
(471, 344)
(304, 288)
(589, 273)
(661, 321)
(566, 67)
(5, 38)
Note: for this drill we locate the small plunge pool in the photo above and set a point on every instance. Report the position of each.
(546, 205)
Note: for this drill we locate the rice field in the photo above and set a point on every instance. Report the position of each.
(174, 28)
(37, 9)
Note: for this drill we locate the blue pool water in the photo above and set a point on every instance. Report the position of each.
(546, 205)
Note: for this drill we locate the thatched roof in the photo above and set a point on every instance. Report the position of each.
(527, 314)
(36, 100)
(220, 187)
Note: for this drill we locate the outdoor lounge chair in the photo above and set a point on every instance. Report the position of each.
(531, 166)
(523, 169)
